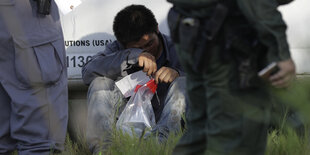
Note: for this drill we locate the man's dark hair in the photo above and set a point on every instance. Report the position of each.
(132, 22)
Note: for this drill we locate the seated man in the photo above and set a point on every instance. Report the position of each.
(139, 46)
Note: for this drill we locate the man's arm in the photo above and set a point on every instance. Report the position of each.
(285, 75)
(113, 65)
(164, 74)
(271, 28)
(268, 22)
(148, 63)
(168, 73)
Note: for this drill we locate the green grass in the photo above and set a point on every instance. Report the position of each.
(279, 142)
(287, 143)
(124, 144)
(128, 145)
(75, 148)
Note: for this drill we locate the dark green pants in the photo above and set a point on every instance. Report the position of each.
(222, 120)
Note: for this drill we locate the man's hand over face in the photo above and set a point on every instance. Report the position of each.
(166, 75)
(285, 75)
(148, 62)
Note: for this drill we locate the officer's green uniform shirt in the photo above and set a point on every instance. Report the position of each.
(261, 13)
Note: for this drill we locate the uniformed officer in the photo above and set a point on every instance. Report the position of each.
(222, 44)
(33, 78)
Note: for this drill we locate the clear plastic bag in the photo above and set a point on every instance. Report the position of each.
(138, 115)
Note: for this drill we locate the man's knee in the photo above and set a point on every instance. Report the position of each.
(176, 97)
(100, 89)
(103, 95)
(178, 84)
(102, 83)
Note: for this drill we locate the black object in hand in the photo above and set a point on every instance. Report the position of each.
(268, 71)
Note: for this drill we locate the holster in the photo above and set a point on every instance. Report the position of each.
(249, 56)
(44, 6)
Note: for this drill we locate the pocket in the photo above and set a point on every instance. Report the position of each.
(7, 2)
(38, 66)
(50, 62)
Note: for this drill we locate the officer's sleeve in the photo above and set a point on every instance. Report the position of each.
(112, 65)
(267, 20)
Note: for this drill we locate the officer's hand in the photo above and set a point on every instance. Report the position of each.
(148, 62)
(166, 75)
(285, 75)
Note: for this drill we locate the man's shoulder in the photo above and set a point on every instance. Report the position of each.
(113, 47)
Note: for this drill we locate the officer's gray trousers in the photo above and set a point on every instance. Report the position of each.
(106, 102)
(33, 98)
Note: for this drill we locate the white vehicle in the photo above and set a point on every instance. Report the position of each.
(87, 27)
